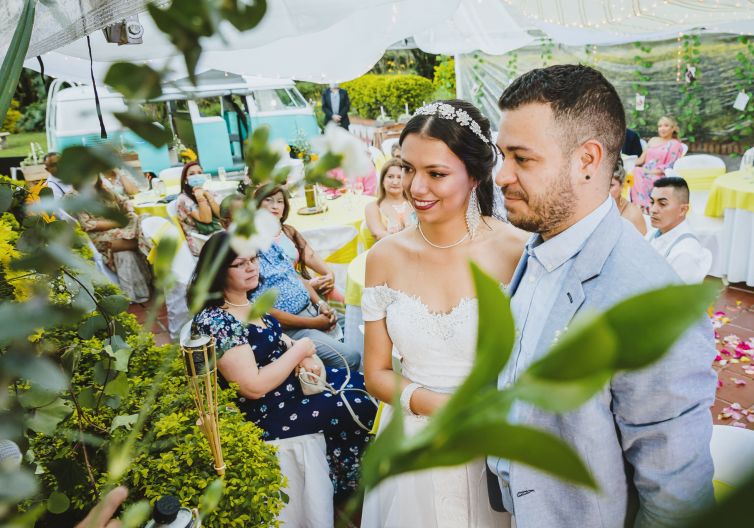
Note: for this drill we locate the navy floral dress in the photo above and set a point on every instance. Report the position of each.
(286, 411)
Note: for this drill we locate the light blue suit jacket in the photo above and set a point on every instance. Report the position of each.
(645, 437)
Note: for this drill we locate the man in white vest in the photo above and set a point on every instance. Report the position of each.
(673, 237)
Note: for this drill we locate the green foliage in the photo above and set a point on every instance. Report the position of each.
(13, 62)
(546, 46)
(10, 122)
(690, 106)
(643, 64)
(474, 422)
(444, 81)
(743, 129)
(393, 92)
(33, 117)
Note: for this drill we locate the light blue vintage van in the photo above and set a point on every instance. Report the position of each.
(213, 118)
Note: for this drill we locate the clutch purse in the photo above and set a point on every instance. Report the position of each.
(312, 383)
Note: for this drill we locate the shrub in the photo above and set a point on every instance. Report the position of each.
(392, 92)
(33, 118)
(444, 81)
(11, 118)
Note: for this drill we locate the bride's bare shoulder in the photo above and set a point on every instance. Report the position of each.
(388, 254)
(506, 235)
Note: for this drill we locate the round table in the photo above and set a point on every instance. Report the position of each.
(732, 197)
(700, 178)
(147, 202)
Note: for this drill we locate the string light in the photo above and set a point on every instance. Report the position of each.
(678, 59)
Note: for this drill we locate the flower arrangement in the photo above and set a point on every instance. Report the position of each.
(185, 154)
(34, 156)
(302, 149)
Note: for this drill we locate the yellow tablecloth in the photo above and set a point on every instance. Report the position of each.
(145, 202)
(700, 179)
(734, 190)
(355, 277)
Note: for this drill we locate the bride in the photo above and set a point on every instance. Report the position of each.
(419, 300)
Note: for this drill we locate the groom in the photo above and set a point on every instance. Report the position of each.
(645, 437)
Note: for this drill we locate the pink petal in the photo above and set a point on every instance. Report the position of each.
(738, 424)
(736, 406)
(738, 382)
(723, 362)
(750, 418)
(725, 351)
(718, 357)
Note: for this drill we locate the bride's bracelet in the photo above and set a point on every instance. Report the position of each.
(406, 394)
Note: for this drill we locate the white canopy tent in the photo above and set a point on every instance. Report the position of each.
(336, 40)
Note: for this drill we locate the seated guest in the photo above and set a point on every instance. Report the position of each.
(632, 144)
(264, 362)
(119, 244)
(626, 209)
(391, 212)
(295, 246)
(120, 183)
(58, 188)
(674, 238)
(301, 311)
(198, 210)
(662, 152)
(395, 151)
(230, 203)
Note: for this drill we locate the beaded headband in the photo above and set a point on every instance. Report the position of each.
(446, 111)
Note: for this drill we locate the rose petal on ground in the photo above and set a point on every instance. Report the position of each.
(738, 424)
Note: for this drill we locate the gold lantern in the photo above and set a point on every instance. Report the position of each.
(200, 361)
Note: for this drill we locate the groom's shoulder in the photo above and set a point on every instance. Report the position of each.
(634, 264)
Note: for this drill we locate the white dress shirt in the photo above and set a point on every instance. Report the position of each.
(683, 251)
(57, 187)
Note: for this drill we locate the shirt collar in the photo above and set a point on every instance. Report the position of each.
(559, 249)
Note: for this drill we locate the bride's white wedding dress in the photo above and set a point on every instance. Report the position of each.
(437, 351)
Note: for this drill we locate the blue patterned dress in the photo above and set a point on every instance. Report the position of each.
(286, 411)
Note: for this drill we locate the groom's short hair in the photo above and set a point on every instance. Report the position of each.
(585, 105)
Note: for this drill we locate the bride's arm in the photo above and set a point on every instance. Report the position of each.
(379, 377)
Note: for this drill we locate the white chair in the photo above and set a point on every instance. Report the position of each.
(154, 228)
(304, 464)
(171, 176)
(172, 210)
(697, 199)
(643, 144)
(685, 148)
(732, 454)
(749, 153)
(387, 145)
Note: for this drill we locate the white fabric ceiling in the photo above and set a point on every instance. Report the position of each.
(336, 40)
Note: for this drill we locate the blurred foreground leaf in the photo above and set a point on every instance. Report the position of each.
(79, 164)
(134, 81)
(144, 126)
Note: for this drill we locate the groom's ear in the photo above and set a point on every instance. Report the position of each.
(591, 155)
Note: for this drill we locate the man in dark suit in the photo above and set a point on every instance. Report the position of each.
(335, 105)
(632, 144)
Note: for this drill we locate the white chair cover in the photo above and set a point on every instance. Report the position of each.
(154, 228)
(171, 176)
(698, 161)
(749, 152)
(732, 454)
(388, 144)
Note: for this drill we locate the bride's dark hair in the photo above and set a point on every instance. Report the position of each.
(478, 157)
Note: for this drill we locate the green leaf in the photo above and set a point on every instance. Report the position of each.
(19, 320)
(13, 62)
(82, 295)
(36, 396)
(662, 317)
(39, 371)
(6, 197)
(262, 304)
(120, 351)
(88, 328)
(242, 15)
(136, 514)
(142, 125)
(559, 395)
(80, 164)
(102, 372)
(58, 502)
(119, 386)
(114, 304)
(166, 249)
(210, 499)
(135, 82)
(17, 485)
(124, 420)
(86, 398)
(46, 419)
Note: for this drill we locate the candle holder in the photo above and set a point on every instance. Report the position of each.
(200, 360)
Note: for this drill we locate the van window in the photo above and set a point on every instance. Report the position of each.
(81, 114)
(277, 99)
(209, 107)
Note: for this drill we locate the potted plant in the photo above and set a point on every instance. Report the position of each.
(32, 166)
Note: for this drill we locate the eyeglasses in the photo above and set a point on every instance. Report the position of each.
(251, 261)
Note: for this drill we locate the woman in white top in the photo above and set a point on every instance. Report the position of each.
(420, 299)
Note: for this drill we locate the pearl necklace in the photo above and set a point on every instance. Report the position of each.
(248, 302)
(454, 244)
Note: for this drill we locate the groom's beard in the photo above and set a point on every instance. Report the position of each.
(547, 210)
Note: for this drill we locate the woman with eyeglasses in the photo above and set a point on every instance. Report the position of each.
(254, 353)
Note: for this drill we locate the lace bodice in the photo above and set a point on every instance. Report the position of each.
(436, 349)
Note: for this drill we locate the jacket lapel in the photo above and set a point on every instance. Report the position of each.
(520, 269)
